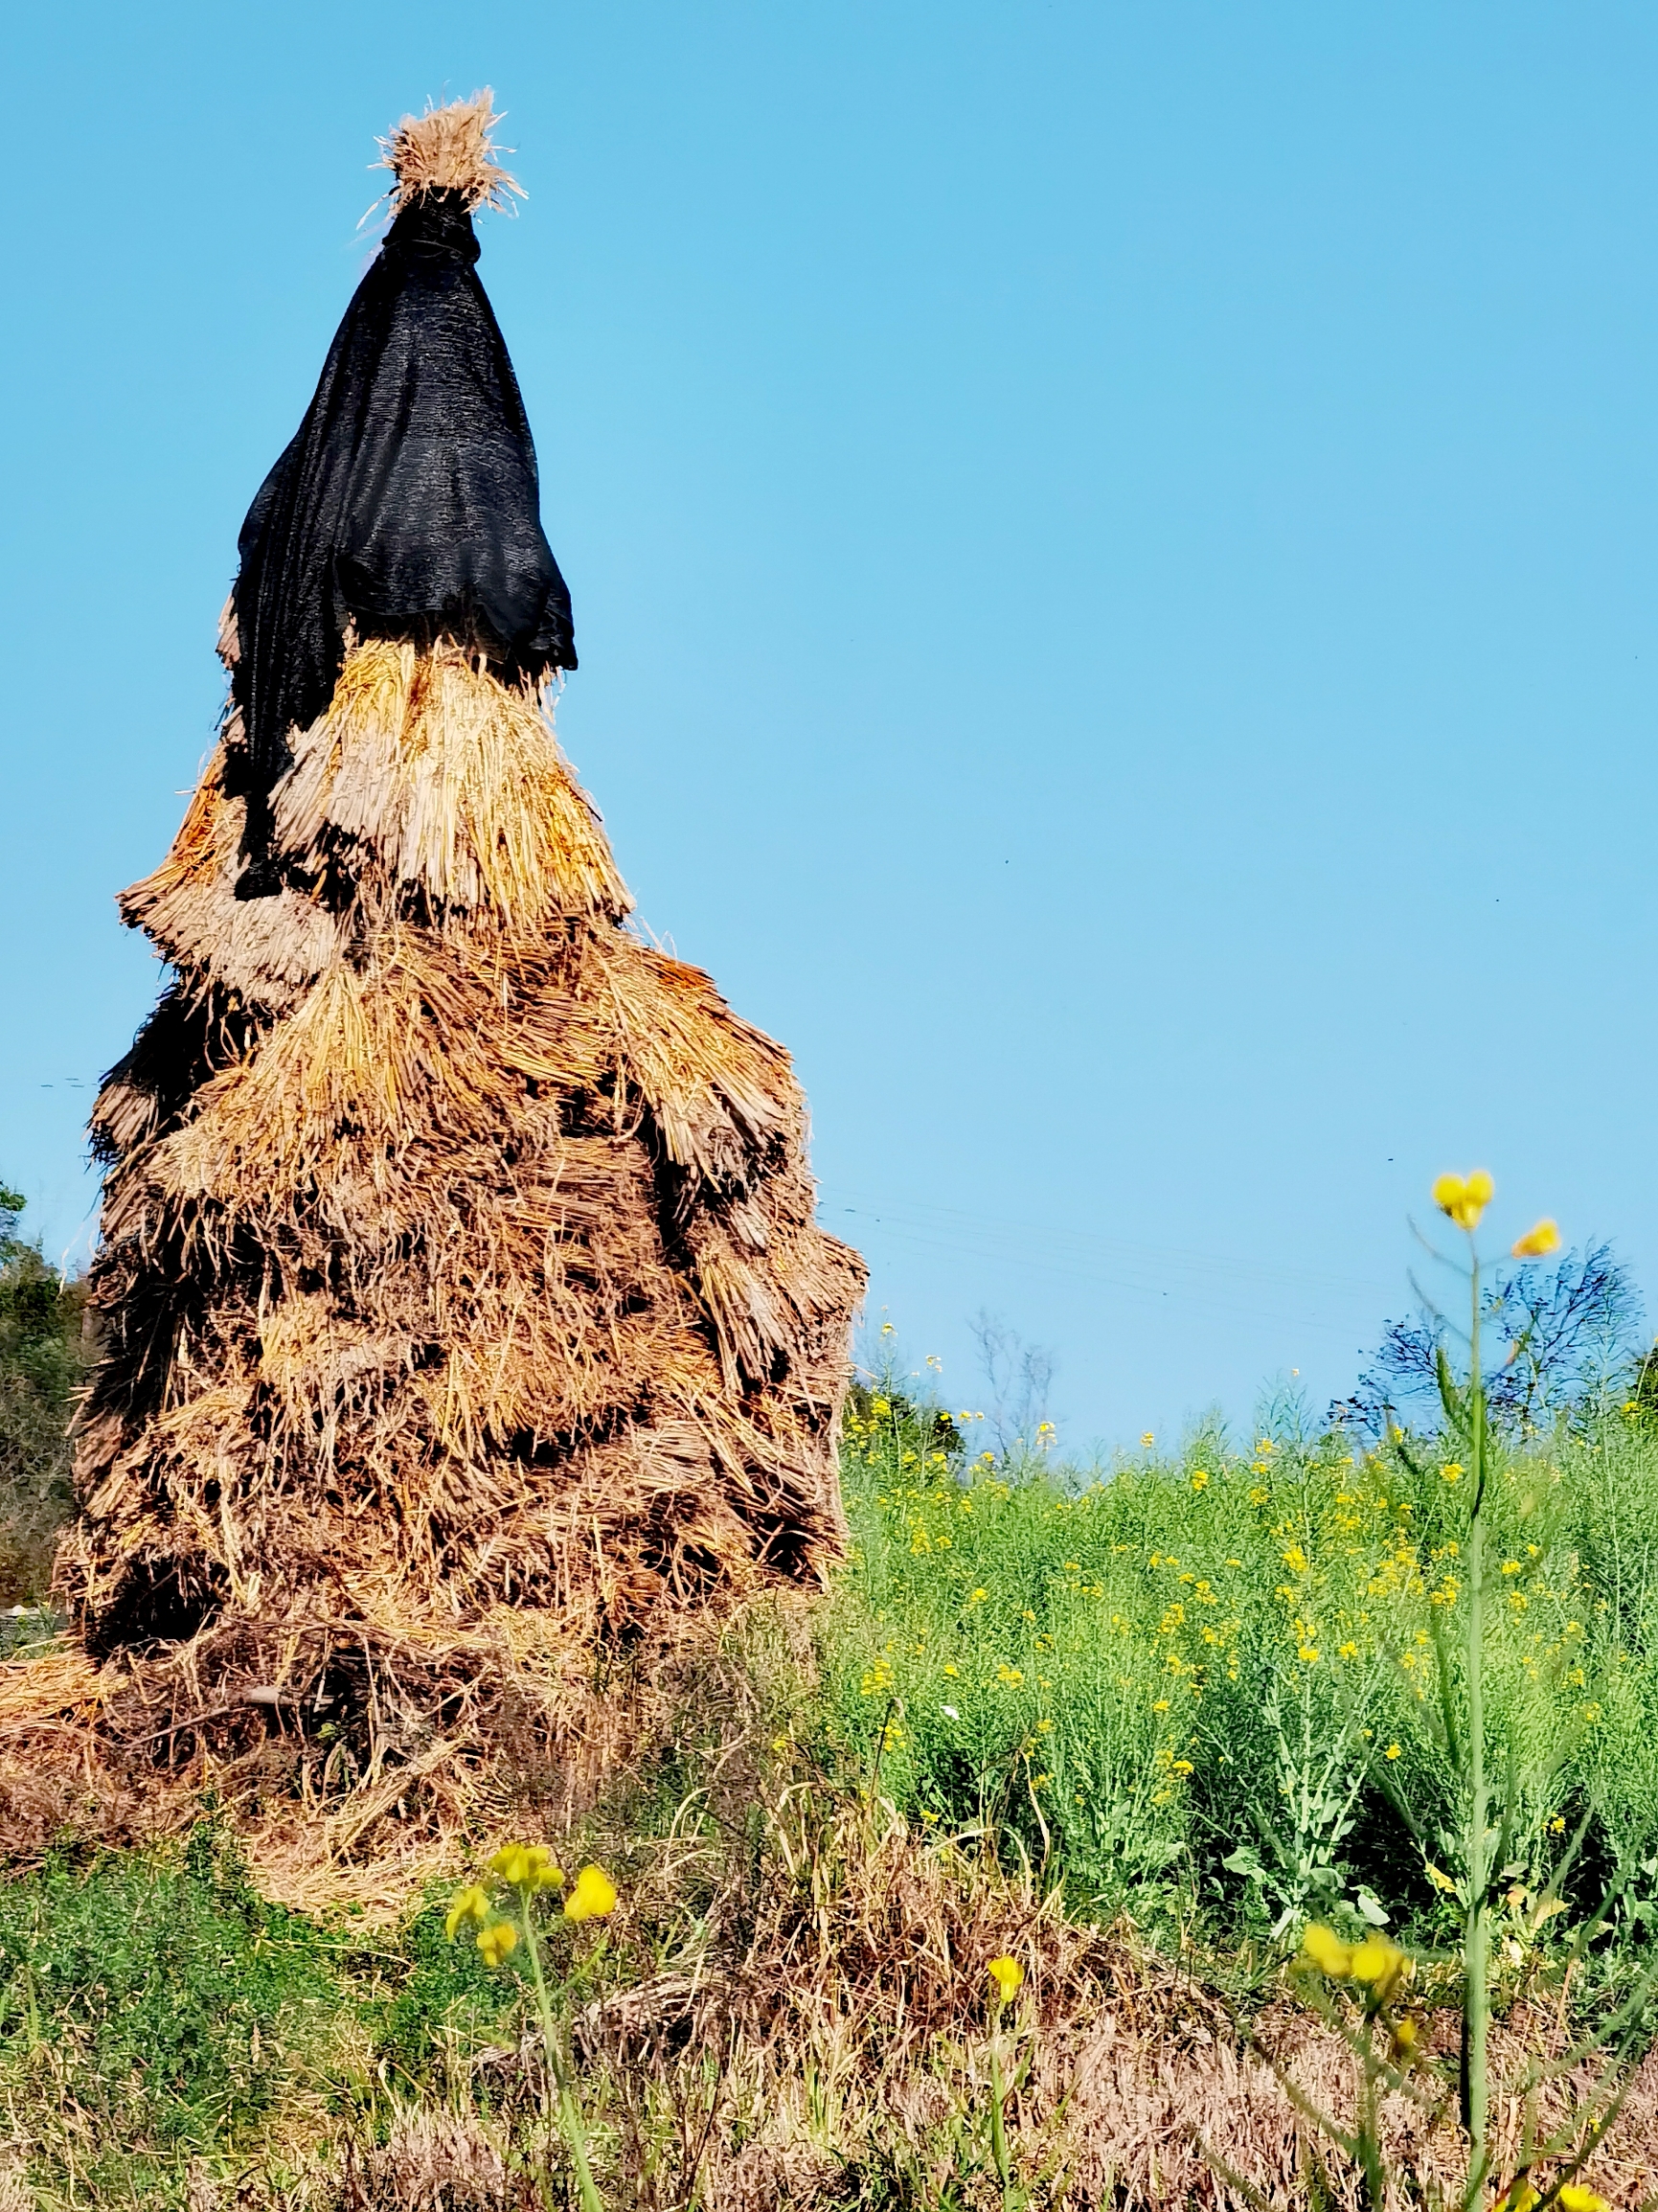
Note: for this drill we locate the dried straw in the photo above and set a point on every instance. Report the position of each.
(450, 150)
(463, 1307)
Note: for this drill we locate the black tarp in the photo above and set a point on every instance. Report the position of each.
(407, 505)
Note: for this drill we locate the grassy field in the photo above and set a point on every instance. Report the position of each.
(1130, 1726)
(1198, 1688)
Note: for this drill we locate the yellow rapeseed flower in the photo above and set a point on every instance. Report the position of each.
(469, 1903)
(592, 1897)
(1200, 1480)
(1327, 1951)
(1009, 1975)
(497, 1941)
(1464, 1199)
(1540, 1238)
(1453, 1472)
(1381, 1964)
(1575, 2198)
(1148, 1439)
(1392, 1751)
(527, 1866)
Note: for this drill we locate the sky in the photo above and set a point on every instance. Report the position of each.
(1113, 553)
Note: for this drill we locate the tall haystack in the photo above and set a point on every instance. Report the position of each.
(463, 1307)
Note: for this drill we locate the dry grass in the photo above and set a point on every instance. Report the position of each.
(790, 2010)
(450, 149)
(850, 2021)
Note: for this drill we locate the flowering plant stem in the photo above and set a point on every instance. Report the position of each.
(1000, 2156)
(569, 2113)
(1476, 1932)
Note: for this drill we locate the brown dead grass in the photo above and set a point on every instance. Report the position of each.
(792, 2014)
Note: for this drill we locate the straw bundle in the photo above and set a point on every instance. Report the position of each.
(463, 1311)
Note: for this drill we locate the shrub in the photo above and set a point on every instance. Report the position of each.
(42, 1359)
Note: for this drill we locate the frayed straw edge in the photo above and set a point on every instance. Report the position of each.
(448, 149)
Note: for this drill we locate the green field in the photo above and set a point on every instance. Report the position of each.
(1198, 1688)
(1167, 1710)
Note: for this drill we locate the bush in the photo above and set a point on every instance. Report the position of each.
(42, 1359)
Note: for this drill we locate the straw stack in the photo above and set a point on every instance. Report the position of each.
(463, 1315)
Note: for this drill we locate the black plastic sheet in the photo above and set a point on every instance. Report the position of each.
(407, 505)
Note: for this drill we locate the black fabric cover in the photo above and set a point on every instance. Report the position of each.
(408, 503)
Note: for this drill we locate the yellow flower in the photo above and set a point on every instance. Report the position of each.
(1148, 1439)
(1542, 1237)
(1200, 1480)
(1453, 1472)
(1392, 1751)
(593, 1896)
(469, 1903)
(1439, 1878)
(527, 1866)
(497, 1941)
(1007, 1975)
(1519, 2197)
(1379, 1963)
(1465, 1198)
(1575, 2198)
(1404, 2042)
(977, 1597)
(1327, 1951)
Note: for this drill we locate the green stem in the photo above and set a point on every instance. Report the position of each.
(998, 2124)
(1476, 1932)
(569, 2115)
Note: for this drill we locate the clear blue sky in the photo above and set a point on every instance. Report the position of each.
(1113, 552)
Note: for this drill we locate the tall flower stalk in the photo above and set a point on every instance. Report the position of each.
(525, 1870)
(1007, 1975)
(1362, 1988)
(1465, 1199)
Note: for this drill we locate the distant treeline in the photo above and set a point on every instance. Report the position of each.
(43, 1356)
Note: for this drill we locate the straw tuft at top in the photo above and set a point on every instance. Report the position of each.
(450, 150)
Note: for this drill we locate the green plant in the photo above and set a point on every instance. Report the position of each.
(153, 2007)
(526, 1871)
(43, 1357)
(1007, 1975)
(1301, 1829)
(1490, 1808)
